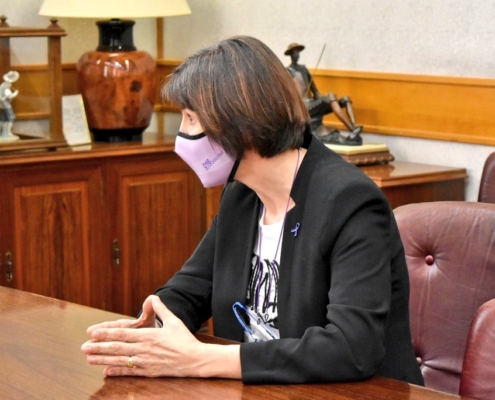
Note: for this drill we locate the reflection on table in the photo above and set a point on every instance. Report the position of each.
(40, 340)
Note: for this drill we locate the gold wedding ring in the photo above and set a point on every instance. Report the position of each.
(130, 364)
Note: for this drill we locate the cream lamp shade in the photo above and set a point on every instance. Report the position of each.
(118, 83)
(114, 8)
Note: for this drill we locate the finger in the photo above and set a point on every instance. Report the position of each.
(147, 317)
(121, 335)
(160, 309)
(108, 348)
(121, 323)
(86, 347)
(125, 371)
(148, 307)
(119, 371)
(114, 361)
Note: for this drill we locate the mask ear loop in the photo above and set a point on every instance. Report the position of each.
(233, 172)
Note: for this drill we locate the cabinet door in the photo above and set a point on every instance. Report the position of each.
(159, 221)
(50, 233)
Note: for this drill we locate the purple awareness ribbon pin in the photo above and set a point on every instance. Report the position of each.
(295, 229)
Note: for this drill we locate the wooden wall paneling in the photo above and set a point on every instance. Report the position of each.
(430, 107)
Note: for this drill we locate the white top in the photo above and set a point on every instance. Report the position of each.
(262, 295)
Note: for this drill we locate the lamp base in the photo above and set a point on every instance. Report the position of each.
(117, 84)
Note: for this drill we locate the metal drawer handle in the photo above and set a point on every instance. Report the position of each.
(10, 267)
(116, 253)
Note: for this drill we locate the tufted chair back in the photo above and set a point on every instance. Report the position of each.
(450, 253)
(478, 369)
(486, 193)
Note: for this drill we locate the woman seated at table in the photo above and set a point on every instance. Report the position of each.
(303, 264)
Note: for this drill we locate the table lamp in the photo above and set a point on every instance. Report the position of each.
(117, 81)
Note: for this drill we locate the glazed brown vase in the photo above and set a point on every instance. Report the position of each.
(118, 84)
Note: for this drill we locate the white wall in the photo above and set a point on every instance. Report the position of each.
(442, 37)
(82, 33)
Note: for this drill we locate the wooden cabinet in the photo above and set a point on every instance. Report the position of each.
(406, 182)
(157, 223)
(48, 234)
(102, 227)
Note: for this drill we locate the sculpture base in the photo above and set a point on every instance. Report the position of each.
(366, 154)
(9, 138)
(335, 137)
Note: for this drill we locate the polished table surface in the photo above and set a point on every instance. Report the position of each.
(40, 358)
(408, 173)
(405, 182)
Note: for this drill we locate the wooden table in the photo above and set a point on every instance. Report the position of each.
(406, 182)
(40, 340)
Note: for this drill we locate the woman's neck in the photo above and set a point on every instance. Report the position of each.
(271, 179)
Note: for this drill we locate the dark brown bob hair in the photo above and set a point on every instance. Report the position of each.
(244, 97)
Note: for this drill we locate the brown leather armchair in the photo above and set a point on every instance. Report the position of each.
(478, 369)
(450, 253)
(486, 192)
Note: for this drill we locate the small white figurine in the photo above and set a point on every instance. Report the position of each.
(7, 115)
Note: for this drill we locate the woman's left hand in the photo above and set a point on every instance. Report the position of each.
(166, 351)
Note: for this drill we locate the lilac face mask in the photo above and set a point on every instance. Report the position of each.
(207, 159)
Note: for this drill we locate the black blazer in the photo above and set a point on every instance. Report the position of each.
(343, 286)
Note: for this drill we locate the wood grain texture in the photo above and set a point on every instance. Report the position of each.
(430, 107)
(158, 205)
(405, 183)
(402, 173)
(40, 340)
(61, 212)
(49, 228)
(118, 88)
